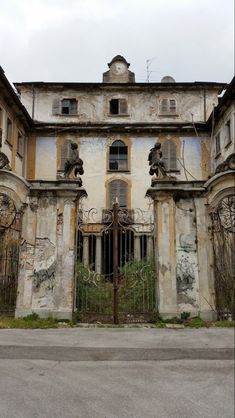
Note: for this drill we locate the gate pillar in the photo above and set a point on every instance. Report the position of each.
(48, 251)
(166, 255)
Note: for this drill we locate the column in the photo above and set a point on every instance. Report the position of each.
(166, 255)
(85, 250)
(98, 254)
(149, 246)
(137, 252)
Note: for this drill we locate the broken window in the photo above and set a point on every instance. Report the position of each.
(118, 107)
(69, 107)
(118, 156)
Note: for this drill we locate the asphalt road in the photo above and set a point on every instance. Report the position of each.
(116, 373)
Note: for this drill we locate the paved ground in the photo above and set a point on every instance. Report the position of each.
(107, 373)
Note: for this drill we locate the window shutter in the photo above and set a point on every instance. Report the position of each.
(123, 106)
(164, 105)
(172, 106)
(73, 107)
(65, 153)
(56, 107)
(118, 188)
(169, 155)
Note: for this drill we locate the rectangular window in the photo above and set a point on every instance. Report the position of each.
(228, 132)
(118, 107)
(217, 144)
(9, 132)
(20, 145)
(168, 107)
(69, 107)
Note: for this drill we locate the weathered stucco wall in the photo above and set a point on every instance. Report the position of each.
(143, 103)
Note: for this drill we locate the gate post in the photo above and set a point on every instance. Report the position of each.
(115, 262)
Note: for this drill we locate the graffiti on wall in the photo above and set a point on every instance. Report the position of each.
(45, 277)
(185, 279)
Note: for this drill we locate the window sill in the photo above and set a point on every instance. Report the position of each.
(118, 171)
(228, 144)
(66, 114)
(110, 115)
(162, 115)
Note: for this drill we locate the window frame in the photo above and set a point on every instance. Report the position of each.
(121, 102)
(20, 147)
(166, 105)
(217, 144)
(125, 183)
(9, 137)
(228, 128)
(123, 169)
(71, 102)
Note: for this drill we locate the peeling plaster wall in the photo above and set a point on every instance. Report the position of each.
(45, 167)
(186, 256)
(143, 103)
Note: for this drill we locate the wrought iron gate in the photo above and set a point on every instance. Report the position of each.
(223, 239)
(9, 254)
(115, 268)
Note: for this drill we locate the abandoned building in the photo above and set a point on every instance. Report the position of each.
(85, 229)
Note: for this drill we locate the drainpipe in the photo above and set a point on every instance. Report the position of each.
(204, 100)
(33, 104)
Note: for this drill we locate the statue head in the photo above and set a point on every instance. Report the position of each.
(74, 145)
(157, 145)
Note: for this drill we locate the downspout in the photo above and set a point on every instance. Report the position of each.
(33, 103)
(204, 101)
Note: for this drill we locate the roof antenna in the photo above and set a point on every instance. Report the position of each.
(148, 71)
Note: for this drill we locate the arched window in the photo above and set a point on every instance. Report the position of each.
(169, 155)
(118, 189)
(118, 156)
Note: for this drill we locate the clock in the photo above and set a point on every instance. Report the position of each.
(119, 68)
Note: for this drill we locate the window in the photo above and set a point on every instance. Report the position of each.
(118, 107)
(217, 144)
(69, 107)
(118, 158)
(168, 106)
(169, 155)
(228, 132)
(20, 145)
(9, 132)
(118, 189)
(64, 107)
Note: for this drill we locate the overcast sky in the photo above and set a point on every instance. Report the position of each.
(72, 40)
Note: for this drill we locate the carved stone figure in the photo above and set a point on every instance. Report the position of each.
(4, 162)
(157, 166)
(73, 165)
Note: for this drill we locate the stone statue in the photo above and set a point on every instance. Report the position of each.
(157, 166)
(73, 165)
(4, 162)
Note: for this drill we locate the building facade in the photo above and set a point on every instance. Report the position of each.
(114, 124)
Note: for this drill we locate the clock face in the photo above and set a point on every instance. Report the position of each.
(119, 68)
